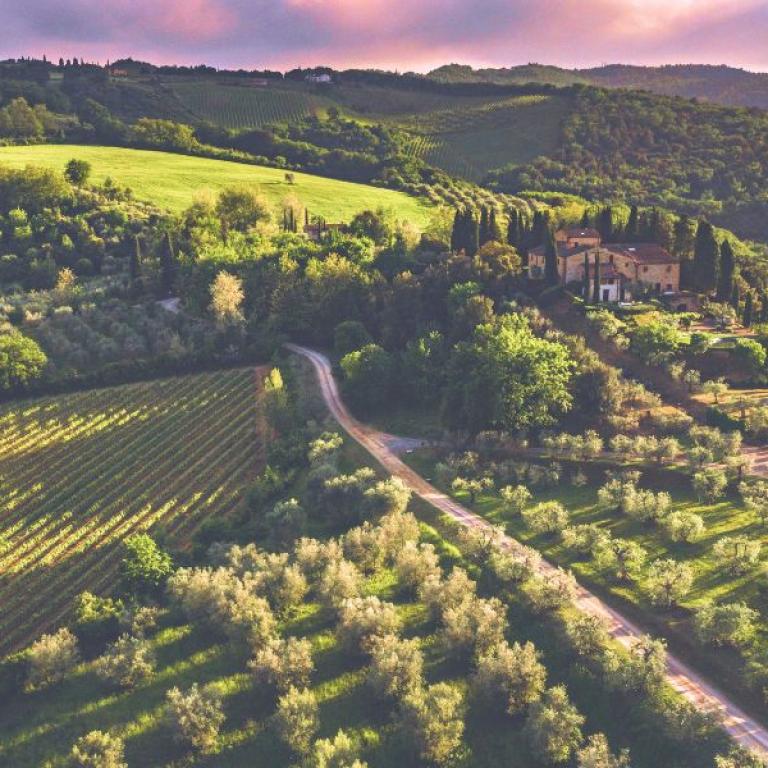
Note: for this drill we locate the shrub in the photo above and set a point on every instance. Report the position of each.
(97, 621)
(51, 658)
(127, 663)
(145, 567)
(98, 750)
(195, 717)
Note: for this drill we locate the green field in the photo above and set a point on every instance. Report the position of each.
(82, 472)
(173, 181)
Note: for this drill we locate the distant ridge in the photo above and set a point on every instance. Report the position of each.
(719, 84)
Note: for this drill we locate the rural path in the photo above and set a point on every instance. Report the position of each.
(705, 697)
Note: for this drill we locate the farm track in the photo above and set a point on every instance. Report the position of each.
(687, 682)
(85, 471)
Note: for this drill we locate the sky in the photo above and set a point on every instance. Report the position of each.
(403, 35)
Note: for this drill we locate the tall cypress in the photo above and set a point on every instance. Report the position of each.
(632, 232)
(483, 235)
(551, 273)
(456, 232)
(706, 254)
(472, 243)
(585, 289)
(167, 266)
(596, 289)
(134, 268)
(585, 221)
(748, 306)
(727, 267)
(605, 224)
(494, 230)
(539, 229)
(513, 228)
(736, 297)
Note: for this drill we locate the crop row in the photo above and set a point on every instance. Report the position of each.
(185, 459)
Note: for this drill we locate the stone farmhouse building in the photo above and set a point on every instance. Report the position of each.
(623, 266)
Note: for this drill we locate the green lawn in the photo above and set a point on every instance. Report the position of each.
(173, 181)
(712, 583)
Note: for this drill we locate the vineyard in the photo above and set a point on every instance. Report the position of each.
(470, 141)
(81, 472)
(235, 106)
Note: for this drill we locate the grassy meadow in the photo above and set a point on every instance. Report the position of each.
(174, 181)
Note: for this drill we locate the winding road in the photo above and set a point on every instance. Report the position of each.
(692, 686)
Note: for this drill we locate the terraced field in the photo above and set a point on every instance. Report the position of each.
(81, 472)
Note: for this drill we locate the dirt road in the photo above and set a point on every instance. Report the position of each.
(744, 730)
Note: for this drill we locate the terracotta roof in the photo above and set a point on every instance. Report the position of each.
(643, 253)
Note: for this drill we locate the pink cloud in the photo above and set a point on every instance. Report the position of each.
(402, 34)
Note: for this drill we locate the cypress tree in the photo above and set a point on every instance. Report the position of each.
(763, 308)
(483, 229)
(585, 289)
(736, 297)
(513, 229)
(551, 273)
(585, 221)
(596, 289)
(134, 268)
(727, 266)
(473, 234)
(167, 266)
(456, 232)
(494, 230)
(539, 229)
(747, 316)
(605, 224)
(632, 232)
(706, 254)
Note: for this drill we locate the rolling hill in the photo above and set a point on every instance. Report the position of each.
(173, 181)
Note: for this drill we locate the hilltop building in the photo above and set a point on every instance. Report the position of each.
(623, 266)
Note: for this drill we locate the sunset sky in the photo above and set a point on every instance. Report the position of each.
(392, 34)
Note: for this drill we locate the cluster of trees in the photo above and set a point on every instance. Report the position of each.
(610, 150)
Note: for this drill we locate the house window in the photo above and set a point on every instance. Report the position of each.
(610, 258)
(669, 287)
(645, 269)
(669, 269)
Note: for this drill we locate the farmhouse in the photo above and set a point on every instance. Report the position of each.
(624, 267)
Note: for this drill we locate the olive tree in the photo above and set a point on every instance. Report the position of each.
(710, 484)
(441, 594)
(511, 676)
(396, 667)
(363, 618)
(514, 499)
(473, 625)
(667, 581)
(195, 716)
(478, 543)
(684, 526)
(285, 663)
(553, 726)
(585, 539)
(339, 581)
(415, 564)
(640, 671)
(727, 624)
(98, 750)
(623, 556)
(587, 636)
(596, 753)
(434, 717)
(296, 719)
(472, 486)
(548, 517)
(51, 658)
(755, 497)
(127, 662)
(339, 752)
(737, 554)
(546, 593)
